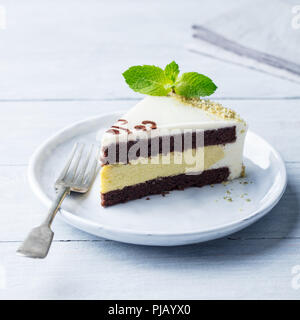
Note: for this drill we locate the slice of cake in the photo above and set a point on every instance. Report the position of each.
(170, 141)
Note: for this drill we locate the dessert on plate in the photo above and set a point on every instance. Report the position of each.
(172, 139)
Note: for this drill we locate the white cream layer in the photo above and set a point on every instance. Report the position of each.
(167, 112)
(118, 176)
(232, 158)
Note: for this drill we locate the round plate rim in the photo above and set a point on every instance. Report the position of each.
(70, 218)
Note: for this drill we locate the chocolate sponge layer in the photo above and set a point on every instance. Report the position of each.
(161, 185)
(211, 137)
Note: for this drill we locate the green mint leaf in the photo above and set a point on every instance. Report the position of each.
(148, 80)
(172, 71)
(193, 84)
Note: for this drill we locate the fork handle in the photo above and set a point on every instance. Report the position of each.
(62, 193)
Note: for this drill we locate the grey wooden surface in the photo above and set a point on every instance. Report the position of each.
(61, 61)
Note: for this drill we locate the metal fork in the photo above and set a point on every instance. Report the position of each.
(75, 177)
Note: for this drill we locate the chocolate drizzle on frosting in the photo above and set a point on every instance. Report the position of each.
(123, 121)
(120, 128)
(140, 127)
(113, 131)
(145, 126)
(116, 129)
(153, 124)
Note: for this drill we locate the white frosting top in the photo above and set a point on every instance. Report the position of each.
(166, 113)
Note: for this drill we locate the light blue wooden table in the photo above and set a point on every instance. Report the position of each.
(60, 62)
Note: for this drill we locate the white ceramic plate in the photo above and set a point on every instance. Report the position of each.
(181, 217)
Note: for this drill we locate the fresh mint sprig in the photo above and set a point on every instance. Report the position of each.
(155, 81)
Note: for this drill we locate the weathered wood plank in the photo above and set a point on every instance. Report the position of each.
(46, 52)
(221, 269)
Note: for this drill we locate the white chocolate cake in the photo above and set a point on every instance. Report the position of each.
(170, 142)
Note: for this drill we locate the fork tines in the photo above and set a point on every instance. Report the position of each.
(81, 168)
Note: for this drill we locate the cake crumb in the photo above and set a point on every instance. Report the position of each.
(147, 198)
(243, 173)
(211, 107)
